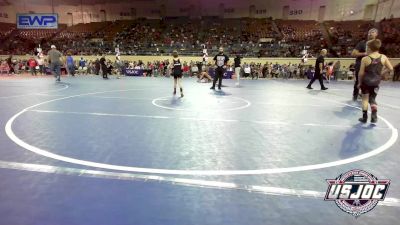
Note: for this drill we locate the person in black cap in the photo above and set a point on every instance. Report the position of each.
(220, 61)
(359, 52)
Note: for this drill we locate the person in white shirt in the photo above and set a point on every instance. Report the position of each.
(247, 70)
(40, 61)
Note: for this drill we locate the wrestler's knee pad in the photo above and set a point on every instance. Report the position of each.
(374, 107)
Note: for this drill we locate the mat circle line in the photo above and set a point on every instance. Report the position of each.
(10, 133)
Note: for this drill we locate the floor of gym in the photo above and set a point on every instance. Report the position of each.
(126, 151)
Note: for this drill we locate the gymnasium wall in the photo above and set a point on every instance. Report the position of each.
(90, 11)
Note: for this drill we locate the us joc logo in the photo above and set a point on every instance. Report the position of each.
(356, 192)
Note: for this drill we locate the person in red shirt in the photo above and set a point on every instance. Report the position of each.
(32, 65)
(185, 69)
(162, 68)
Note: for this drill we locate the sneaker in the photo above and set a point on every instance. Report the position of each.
(212, 88)
(309, 87)
(363, 119)
(324, 88)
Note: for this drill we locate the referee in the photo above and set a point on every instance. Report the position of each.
(319, 67)
(54, 57)
(220, 61)
(359, 52)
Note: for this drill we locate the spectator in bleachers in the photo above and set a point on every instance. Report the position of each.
(396, 74)
(103, 66)
(247, 70)
(237, 69)
(4, 68)
(10, 64)
(40, 62)
(70, 64)
(118, 65)
(97, 66)
(82, 69)
(32, 66)
(336, 70)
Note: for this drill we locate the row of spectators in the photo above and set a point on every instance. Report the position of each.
(39, 65)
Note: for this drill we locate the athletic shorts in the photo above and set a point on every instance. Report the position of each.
(373, 90)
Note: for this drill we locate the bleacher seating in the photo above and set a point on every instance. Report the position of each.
(6, 29)
(245, 36)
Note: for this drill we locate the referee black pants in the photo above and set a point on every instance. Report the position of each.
(315, 77)
(355, 89)
(219, 73)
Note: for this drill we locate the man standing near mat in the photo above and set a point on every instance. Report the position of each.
(237, 69)
(319, 67)
(70, 64)
(220, 61)
(54, 57)
(359, 52)
(103, 65)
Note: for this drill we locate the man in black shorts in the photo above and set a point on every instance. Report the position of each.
(359, 52)
(319, 67)
(220, 61)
